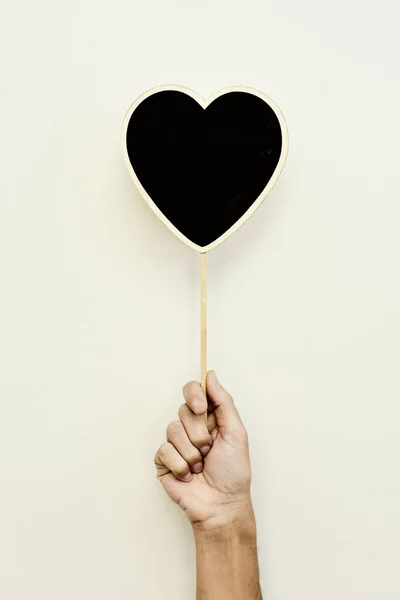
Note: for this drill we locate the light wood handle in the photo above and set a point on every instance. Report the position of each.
(203, 327)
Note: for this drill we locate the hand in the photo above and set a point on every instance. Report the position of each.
(206, 469)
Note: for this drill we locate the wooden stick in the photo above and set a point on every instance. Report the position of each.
(203, 302)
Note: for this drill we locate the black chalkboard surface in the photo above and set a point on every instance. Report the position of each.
(204, 165)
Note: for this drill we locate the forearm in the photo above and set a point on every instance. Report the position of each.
(227, 563)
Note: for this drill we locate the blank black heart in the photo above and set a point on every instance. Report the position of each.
(203, 167)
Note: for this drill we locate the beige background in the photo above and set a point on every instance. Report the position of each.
(99, 302)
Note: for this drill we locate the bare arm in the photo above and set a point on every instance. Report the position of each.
(206, 470)
(227, 565)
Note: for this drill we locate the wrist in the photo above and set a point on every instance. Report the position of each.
(226, 560)
(232, 520)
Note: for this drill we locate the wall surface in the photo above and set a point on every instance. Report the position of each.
(99, 301)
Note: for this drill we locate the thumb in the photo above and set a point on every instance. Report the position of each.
(228, 419)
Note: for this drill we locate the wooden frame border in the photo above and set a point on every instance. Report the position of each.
(204, 102)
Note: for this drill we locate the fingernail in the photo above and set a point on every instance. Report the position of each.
(198, 467)
(198, 407)
(205, 450)
(187, 477)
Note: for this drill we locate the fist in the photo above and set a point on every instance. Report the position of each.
(204, 465)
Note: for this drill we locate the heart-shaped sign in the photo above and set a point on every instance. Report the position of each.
(204, 166)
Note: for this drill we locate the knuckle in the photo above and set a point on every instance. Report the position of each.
(163, 450)
(201, 440)
(191, 389)
(193, 457)
(181, 470)
(174, 429)
(228, 396)
(183, 411)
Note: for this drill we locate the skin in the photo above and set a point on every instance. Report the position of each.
(205, 469)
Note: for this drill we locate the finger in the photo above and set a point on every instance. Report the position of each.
(195, 398)
(221, 401)
(196, 429)
(196, 401)
(176, 434)
(168, 460)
